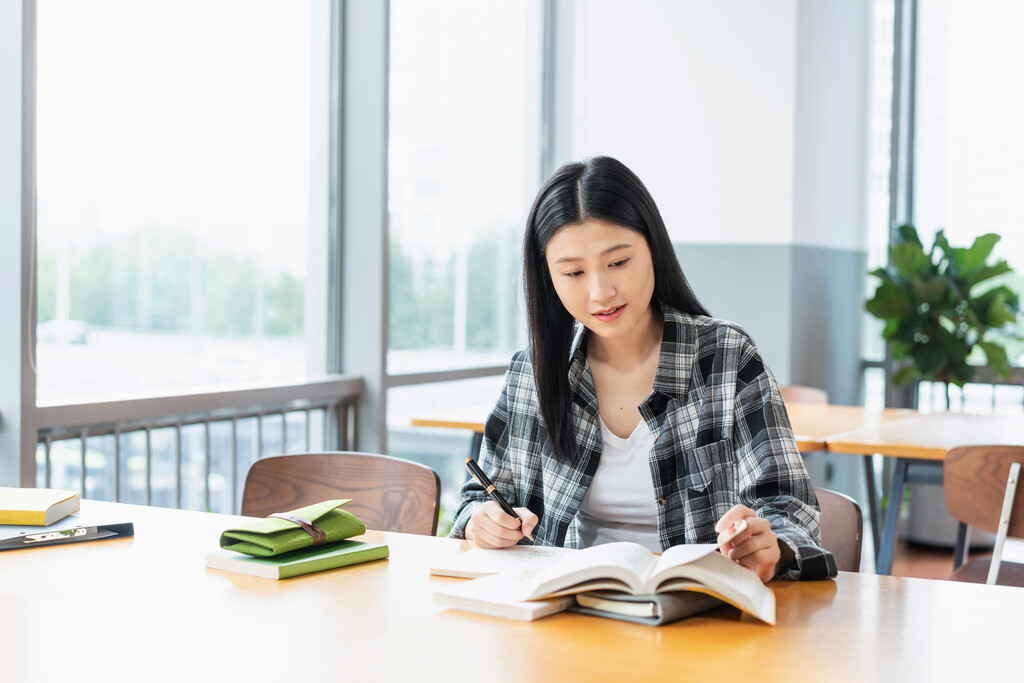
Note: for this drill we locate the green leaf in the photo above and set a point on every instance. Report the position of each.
(929, 360)
(890, 301)
(961, 373)
(930, 291)
(987, 273)
(907, 233)
(910, 261)
(904, 375)
(942, 243)
(974, 258)
(999, 313)
(997, 358)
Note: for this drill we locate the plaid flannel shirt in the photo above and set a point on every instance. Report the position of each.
(722, 437)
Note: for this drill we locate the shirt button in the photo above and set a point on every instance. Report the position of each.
(661, 501)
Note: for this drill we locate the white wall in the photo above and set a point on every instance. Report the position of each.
(698, 98)
(746, 119)
(832, 115)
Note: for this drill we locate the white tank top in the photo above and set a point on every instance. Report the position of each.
(620, 504)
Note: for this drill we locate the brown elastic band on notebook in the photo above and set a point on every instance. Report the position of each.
(318, 534)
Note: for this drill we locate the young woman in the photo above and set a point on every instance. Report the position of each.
(634, 415)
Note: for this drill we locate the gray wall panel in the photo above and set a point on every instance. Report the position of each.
(803, 307)
(827, 306)
(749, 285)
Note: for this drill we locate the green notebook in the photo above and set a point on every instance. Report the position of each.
(298, 562)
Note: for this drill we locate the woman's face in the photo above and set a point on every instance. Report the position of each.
(604, 276)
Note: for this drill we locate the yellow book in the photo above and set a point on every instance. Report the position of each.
(36, 507)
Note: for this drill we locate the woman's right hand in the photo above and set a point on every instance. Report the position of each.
(490, 527)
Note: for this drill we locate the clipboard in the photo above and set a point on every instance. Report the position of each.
(70, 529)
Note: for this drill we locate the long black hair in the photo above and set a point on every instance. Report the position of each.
(602, 188)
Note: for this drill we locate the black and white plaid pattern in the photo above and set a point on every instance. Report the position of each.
(722, 437)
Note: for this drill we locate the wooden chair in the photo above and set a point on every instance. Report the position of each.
(798, 394)
(981, 491)
(388, 494)
(842, 528)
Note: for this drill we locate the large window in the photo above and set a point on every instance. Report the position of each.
(182, 188)
(970, 142)
(876, 226)
(463, 166)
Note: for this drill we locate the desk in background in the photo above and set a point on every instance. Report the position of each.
(812, 424)
(919, 443)
(146, 608)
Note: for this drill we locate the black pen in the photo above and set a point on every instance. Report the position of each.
(482, 479)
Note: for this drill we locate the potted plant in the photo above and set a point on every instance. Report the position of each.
(939, 305)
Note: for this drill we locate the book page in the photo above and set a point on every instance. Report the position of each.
(495, 595)
(625, 564)
(723, 578)
(484, 561)
(678, 555)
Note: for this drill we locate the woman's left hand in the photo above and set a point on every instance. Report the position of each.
(755, 546)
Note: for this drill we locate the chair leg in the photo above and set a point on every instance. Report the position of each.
(1004, 522)
(961, 545)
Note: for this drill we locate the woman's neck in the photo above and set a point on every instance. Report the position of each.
(631, 351)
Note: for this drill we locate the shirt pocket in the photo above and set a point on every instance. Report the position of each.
(710, 466)
(710, 489)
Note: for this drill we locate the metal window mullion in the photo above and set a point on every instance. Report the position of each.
(284, 431)
(234, 465)
(341, 436)
(177, 465)
(206, 468)
(117, 464)
(149, 465)
(307, 435)
(259, 436)
(48, 467)
(84, 437)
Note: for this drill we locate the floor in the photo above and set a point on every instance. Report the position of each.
(921, 561)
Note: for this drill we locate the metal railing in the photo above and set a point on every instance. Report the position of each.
(190, 450)
(986, 393)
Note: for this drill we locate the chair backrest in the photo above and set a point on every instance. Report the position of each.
(798, 394)
(388, 494)
(974, 479)
(842, 528)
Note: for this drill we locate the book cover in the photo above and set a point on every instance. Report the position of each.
(36, 507)
(71, 529)
(631, 568)
(493, 595)
(654, 610)
(298, 562)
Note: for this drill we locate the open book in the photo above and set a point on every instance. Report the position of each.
(631, 568)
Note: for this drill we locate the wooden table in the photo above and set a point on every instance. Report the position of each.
(146, 608)
(919, 443)
(814, 424)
